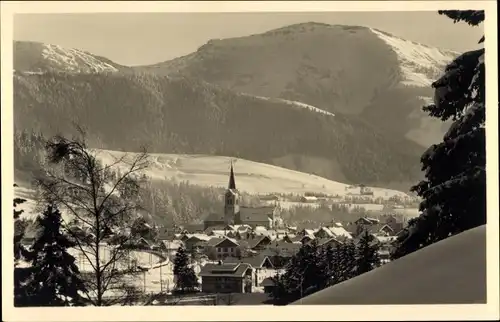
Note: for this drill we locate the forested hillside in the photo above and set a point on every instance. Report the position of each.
(181, 115)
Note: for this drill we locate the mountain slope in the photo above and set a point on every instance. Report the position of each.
(251, 177)
(180, 115)
(346, 69)
(35, 57)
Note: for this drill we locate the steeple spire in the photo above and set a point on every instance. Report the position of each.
(232, 183)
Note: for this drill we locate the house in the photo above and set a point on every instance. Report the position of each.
(323, 232)
(259, 242)
(171, 246)
(332, 242)
(395, 223)
(282, 248)
(363, 223)
(235, 214)
(308, 199)
(195, 241)
(194, 228)
(376, 229)
(220, 248)
(261, 264)
(306, 232)
(301, 239)
(226, 278)
(366, 221)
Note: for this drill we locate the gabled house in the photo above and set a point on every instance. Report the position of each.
(171, 246)
(376, 229)
(306, 232)
(259, 242)
(283, 249)
(261, 264)
(366, 221)
(220, 248)
(195, 242)
(299, 239)
(323, 232)
(325, 242)
(340, 233)
(226, 278)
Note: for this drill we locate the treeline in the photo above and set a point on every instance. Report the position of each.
(322, 214)
(171, 202)
(313, 268)
(180, 115)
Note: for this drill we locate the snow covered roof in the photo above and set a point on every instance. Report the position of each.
(427, 276)
(340, 232)
(199, 236)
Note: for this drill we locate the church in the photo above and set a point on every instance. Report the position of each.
(235, 214)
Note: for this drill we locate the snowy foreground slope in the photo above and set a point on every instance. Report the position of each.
(452, 271)
(251, 177)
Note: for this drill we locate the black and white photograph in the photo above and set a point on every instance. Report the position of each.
(279, 158)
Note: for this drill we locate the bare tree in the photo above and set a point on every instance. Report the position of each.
(101, 202)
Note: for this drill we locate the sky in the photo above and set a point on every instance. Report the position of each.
(147, 38)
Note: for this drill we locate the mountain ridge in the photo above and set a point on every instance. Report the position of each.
(349, 130)
(336, 68)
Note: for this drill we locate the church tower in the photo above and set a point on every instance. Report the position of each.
(231, 200)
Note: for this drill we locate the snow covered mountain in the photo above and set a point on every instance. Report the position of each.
(420, 65)
(35, 58)
(339, 69)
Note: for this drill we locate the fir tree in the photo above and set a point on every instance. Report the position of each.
(280, 290)
(367, 255)
(21, 273)
(56, 279)
(454, 189)
(347, 262)
(185, 275)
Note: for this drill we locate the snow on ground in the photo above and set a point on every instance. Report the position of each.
(140, 258)
(291, 103)
(409, 212)
(419, 63)
(293, 204)
(75, 60)
(251, 177)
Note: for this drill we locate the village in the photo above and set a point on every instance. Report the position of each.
(241, 250)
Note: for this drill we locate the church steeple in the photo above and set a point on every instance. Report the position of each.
(232, 182)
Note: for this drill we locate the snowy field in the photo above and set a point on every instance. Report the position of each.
(135, 258)
(251, 177)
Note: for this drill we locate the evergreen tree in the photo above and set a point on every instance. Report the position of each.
(347, 262)
(21, 273)
(185, 275)
(454, 189)
(280, 293)
(56, 279)
(367, 255)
